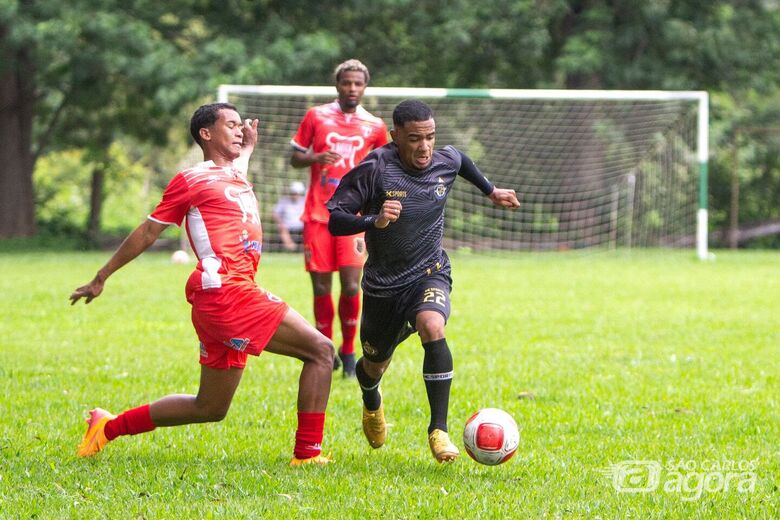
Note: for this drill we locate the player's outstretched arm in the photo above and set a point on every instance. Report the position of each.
(136, 243)
(504, 198)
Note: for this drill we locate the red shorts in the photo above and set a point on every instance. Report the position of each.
(325, 253)
(233, 322)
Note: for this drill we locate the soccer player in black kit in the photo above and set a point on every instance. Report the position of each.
(397, 196)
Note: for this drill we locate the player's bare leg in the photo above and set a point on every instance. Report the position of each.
(295, 337)
(437, 373)
(212, 403)
(349, 312)
(216, 391)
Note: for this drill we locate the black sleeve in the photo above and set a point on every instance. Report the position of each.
(470, 172)
(344, 224)
(352, 196)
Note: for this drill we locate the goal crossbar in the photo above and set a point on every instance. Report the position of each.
(699, 98)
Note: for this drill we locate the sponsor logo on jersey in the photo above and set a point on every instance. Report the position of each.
(250, 245)
(237, 343)
(346, 146)
(395, 194)
(246, 201)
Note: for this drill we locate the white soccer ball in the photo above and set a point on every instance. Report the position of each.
(180, 257)
(491, 436)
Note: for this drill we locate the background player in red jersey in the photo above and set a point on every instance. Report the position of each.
(332, 139)
(232, 316)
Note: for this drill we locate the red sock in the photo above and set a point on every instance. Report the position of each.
(130, 422)
(349, 311)
(308, 437)
(323, 314)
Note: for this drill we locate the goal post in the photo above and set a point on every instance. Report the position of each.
(592, 168)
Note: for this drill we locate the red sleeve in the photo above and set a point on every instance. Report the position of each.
(304, 137)
(381, 136)
(175, 202)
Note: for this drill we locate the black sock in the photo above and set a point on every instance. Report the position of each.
(348, 361)
(437, 373)
(370, 387)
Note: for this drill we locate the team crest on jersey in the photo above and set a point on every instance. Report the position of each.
(237, 343)
(440, 190)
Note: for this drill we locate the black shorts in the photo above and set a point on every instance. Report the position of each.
(386, 322)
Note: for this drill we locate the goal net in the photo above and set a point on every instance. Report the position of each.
(592, 169)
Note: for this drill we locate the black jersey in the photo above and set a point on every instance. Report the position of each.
(411, 247)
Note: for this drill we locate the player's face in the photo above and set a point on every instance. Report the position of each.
(226, 135)
(351, 86)
(415, 142)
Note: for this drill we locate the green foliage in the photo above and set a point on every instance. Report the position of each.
(104, 71)
(653, 356)
(62, 192)
(62, 186)
(746, 135)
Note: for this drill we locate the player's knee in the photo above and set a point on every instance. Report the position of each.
(321, 289)
(375, 370)
(324, 352)
(350, 288)
(321, 285)
(214, 412)
(430, 329)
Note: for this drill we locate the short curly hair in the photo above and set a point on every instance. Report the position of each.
(205, 116)
(351, 65)
(411, 110)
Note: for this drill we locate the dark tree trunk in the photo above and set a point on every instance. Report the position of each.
(17, 201)
(572, 25)
(96, 203)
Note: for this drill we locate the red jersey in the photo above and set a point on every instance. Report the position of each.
(223, 224)
(327, 127)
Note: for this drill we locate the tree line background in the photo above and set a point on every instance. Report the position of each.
(95, 96)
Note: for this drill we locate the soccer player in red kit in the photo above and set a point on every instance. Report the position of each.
(332, 139)
(232, 316)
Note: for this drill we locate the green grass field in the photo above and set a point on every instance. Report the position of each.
(644, 356)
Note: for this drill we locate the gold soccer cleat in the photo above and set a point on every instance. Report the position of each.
(319, 460)
(374, 426)
(442, 448)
